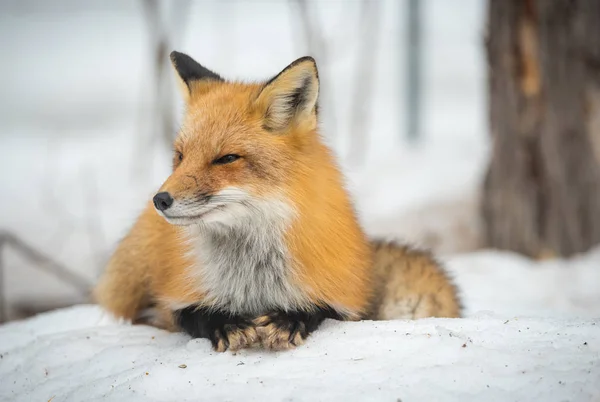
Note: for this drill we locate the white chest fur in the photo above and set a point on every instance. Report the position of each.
(244, 266)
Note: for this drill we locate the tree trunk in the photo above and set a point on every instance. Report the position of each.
(541, 195)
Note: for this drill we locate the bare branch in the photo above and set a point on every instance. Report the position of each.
(311, 28)
(44, 262)
(413, 70)
(48, 185)
(159, 46)
(3, 304)
(95, 234)
(318, 47)
(24, 309)
(363, 90)
(178, 21)
(162, 31)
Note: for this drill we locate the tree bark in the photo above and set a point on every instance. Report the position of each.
(541, 194)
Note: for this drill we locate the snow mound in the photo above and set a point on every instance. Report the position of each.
(81, 354)
(510, 284)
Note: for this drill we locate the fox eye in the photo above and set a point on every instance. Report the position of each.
(223, 160)
(177, 158)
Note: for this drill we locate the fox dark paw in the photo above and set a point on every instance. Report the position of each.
(225, 331)
(286, 330)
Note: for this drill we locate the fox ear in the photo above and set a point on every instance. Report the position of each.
(291, 96)
(189, 71)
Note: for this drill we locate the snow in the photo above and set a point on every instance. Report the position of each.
(79, 354)
(509, 284)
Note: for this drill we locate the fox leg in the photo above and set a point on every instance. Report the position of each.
(157, 316)
(125, 296)
(123, 287)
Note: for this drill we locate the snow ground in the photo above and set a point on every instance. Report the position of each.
(79, 354)
(508, 284)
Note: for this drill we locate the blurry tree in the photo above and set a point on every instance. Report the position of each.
(160, 32)
(541, 195)
(414, 67)
(165, 26)
(362, 98)
(318, 46)
(364, 35)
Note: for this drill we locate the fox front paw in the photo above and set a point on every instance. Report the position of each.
(234, 337)
(225, 331)
(286, 330)
(278, 332)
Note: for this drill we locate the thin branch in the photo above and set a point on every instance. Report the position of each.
(311, 27)
(163, 31)
(318, 47)
(178, 21)
(44, 262)
(159, 43)
(413, 70)
(48, 185)
(150, 123)
(3, 304)
(66, 221)
(95, 234)
(30, 308)
(364, 80)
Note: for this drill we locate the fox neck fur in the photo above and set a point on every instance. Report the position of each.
(243, 264)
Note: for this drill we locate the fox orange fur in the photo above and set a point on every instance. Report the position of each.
(253, 238)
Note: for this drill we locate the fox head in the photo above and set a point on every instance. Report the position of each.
(239, 143)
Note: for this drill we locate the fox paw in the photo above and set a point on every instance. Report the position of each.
(280, 331)
(233, 337)
(285, 330)
(225, 331)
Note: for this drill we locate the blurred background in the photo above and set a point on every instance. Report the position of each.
(88, 110)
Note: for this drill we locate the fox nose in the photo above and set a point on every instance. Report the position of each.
(162, 201)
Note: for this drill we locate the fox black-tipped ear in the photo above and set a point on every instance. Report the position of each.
(189, 70)
(291, 96)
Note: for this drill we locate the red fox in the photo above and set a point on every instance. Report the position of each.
(253, 239)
